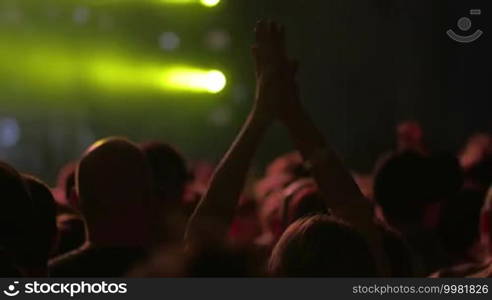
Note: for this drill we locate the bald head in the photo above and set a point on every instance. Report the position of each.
(113, 183)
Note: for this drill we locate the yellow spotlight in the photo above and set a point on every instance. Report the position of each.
(179, 1)
(215, 81)
(210, 3)
(188, 79)
(207, 3)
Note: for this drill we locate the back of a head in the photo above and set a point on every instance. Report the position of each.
(169, 171)
(402, 187)
(15, 210)
(44, 231)
(113, 183)
(321, 246)
(410, 137)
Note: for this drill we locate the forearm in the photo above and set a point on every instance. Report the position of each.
(215, 211)
(334, 180)
(342, 195)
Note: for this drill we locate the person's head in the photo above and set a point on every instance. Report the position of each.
(16, 209)
(113, 183)
(402, 188)
(169, 172)
(409, 136)
(43, 220)
(282, 208)
(321, 246)
(281, 172)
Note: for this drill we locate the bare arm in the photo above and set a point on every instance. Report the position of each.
(342, 195)
(213, 216)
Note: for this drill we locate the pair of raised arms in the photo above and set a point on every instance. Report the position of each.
(277, 98)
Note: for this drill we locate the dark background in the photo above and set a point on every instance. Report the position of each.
(365, 66)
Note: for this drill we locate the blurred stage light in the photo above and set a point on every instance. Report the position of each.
(196, 80)
(210, 3)
(81, 15)
(217, 40)
(56, 68)
(169, 41)
(9, 132)
(207, 3)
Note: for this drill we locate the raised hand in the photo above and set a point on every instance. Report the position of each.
(271, 66)
(269, 48)
(276, 91)
(211, 220)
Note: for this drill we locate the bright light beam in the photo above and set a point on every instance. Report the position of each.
(210, 3)
(58, 69)
(211, 81)
(207, 3)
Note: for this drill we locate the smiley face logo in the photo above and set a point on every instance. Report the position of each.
(465, 24)
(11, 291)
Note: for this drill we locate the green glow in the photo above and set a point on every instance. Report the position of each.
(56, 67)
(183, 78)
(179, 1)
(207, 3)
(210, 3)
(109, 74)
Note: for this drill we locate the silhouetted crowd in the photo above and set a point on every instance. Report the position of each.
(141, 210)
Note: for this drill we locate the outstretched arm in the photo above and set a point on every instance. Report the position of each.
(214, 214)
(341, 193)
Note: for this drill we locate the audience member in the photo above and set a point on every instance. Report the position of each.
(113, 184)
(139, 211)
